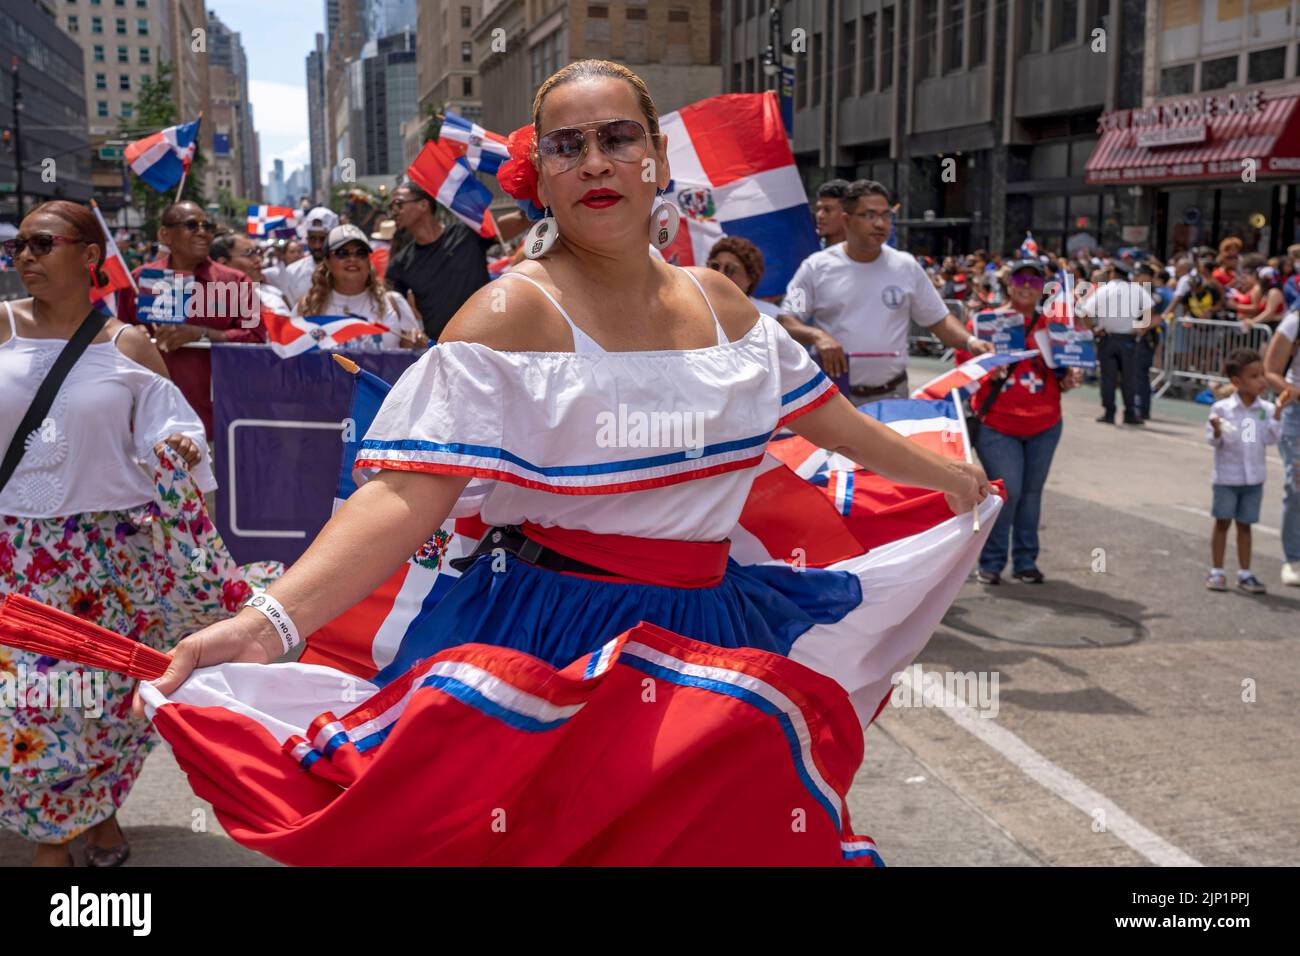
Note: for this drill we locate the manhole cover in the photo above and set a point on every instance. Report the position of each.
(1042, 622)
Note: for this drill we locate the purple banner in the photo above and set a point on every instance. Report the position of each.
(277, 441)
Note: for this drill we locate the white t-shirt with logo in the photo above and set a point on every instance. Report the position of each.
(865, 306)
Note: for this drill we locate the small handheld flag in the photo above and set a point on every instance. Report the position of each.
(482, 150)
(163, 158)
(449, 179)
(264, 220)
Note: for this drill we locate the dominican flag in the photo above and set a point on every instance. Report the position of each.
(371, 751)
(873, 511)
(262, 220)
(115, 267)
(969, 375)
(449, 179)
(290, 335)
(483, 150)
(163, 158)
(164, 296)
(1029, 248)
(732, 169)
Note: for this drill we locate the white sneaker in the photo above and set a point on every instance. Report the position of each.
(1291, 573)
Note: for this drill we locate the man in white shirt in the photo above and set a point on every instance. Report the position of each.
(295, 280)
(1120, 310)
(861, 295)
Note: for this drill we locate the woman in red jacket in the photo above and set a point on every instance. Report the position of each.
(1020, 413)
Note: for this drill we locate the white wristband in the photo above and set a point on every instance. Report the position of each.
(274, 612)
(970, 342)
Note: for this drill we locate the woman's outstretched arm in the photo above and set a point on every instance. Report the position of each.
(381, 525)
(839, 427)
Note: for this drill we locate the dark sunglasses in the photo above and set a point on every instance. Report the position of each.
(195, 225)
(350, 252)
(622, 140)
(41, 244)
(1033, 281)
(728, 269)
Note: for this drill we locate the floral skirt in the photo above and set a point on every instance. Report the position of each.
(69, 748)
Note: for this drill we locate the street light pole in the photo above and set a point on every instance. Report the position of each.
(18, 138)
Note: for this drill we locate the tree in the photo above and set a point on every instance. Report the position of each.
(432, 121)
(154, 110)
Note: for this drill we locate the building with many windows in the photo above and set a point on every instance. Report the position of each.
(1213, 147)
(234, 147)
(1093, 123)
(54, 139)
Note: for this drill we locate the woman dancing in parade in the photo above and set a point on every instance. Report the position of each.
(602, 683)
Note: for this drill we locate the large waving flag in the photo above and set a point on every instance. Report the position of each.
(162, 158)
(482, 149)
(449, 179)
(732, 168)
(263, 220)
(481, 754)
(115, 267)
(290, 335)
(970, 374)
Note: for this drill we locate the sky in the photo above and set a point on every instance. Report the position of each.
(277, 36)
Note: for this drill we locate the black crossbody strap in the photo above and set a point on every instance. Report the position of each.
(40, 406)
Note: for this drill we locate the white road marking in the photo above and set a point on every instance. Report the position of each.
(1205, 514)
(1052, 778)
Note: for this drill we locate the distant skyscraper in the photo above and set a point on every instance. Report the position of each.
(317, 123)
(386, 17)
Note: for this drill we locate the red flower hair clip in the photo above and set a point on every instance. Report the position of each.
(518, 175)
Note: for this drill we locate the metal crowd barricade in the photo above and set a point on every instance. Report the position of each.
(921, 341)
(1194, 351)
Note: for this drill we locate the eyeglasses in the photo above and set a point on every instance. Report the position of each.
(728, 269)
(195, 225)
(351, 252)
(399, 203)
(622, 140)
(1032, 281)
(41, 244)
(871, 217)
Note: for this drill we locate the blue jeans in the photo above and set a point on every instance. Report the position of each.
(1289, 446)
(1022, 464)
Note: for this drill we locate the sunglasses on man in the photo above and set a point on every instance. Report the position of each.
(194, 225)
(622, 140)
(40, 243)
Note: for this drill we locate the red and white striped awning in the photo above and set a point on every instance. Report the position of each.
(1270, 136)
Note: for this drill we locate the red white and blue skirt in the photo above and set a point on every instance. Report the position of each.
(686, 708)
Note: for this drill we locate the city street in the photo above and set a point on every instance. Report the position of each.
(1121, 736)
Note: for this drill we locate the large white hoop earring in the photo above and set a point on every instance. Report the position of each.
(665, 220)
(542, 236)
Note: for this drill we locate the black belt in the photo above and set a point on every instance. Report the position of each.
(866, 391)
(512, 538)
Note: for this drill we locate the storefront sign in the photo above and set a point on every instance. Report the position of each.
(1196, 109)
(1171, 135)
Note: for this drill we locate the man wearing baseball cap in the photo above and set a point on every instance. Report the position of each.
(295, 280)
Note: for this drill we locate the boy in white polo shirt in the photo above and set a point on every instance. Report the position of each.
(1239, 428)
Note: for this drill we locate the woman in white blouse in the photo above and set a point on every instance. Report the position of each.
(74, 533)
(346, 284)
